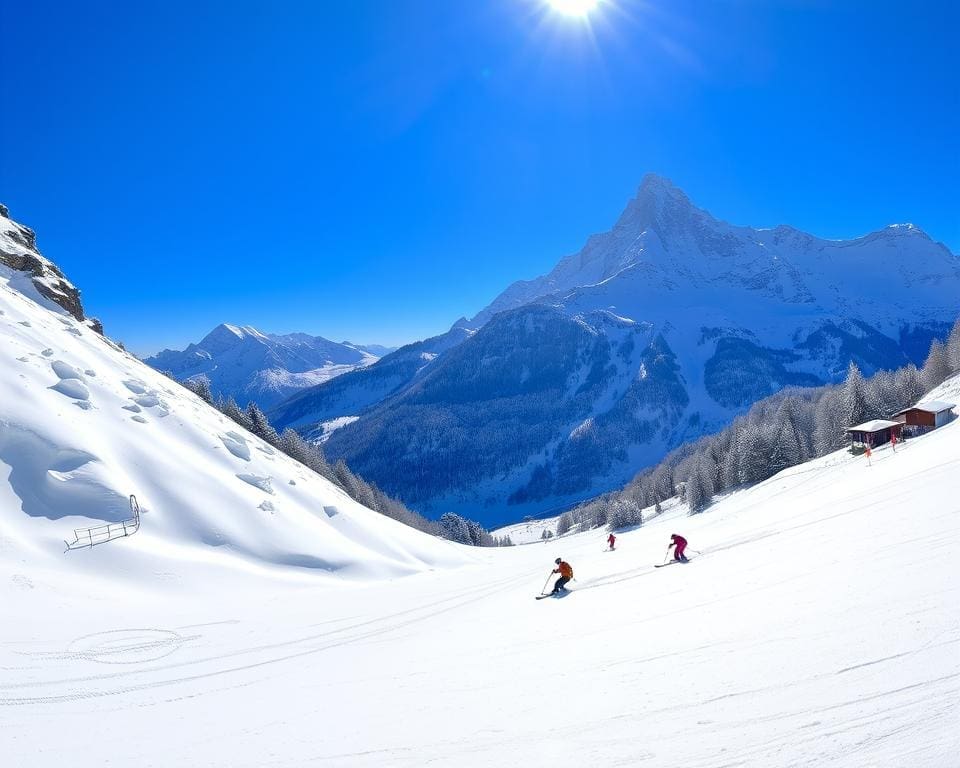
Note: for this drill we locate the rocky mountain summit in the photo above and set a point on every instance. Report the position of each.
(18, 252)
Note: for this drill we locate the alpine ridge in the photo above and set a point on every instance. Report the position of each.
(246, 364)
(656, 332)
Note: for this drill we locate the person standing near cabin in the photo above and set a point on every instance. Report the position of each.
(566, 573)
(611, 540)
(680, 544)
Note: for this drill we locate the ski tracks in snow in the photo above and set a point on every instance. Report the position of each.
(142, 646)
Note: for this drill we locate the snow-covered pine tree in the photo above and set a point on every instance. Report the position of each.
(295, 446)
(750, 449)
(908, 385)
(854, 397)
(564, 524)
(700, 486)
(601, 515)
(936, 368)
(235, 413)
(200, 386)
(260, 425)
(829, 428)
(624, 513)
(785, 449)
(953, 348)
(454, 528)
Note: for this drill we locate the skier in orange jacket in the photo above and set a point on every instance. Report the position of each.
(566, 573)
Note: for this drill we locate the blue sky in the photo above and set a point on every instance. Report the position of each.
(372, 170)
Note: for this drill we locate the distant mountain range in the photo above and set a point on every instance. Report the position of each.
(247, 365)
(655, 332)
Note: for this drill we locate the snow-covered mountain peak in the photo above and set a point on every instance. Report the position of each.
(242, 362)
(226, 336)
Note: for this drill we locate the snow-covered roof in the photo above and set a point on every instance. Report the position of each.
(874, 426)
(931, 406)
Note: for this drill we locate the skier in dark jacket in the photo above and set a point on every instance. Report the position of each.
(566, 573)
(611, 540)
(680, 544)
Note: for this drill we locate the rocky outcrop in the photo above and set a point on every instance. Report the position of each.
(18, 251)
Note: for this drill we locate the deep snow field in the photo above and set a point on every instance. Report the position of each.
(819, 627)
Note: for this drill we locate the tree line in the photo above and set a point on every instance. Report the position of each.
(780, 431)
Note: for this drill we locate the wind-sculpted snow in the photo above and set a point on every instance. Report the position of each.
(84, 425)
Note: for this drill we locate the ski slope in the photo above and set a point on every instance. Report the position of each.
(252, 621)
(818, 628)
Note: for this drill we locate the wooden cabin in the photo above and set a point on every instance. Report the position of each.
(923, 417)
(876, 432)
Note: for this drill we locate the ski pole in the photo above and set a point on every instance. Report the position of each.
(544, 590)
(667, 553)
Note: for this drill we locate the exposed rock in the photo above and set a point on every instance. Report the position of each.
(18, 251)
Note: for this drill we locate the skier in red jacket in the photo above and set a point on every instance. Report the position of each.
(680, 544)
(611, 540)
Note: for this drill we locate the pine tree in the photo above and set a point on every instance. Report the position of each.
(201, 388)
(909, 386)
(295, 446)
(235, 413)
(751, 454)
(564, 524)
(260, 425)
(853, 397)
(936, 368)
(624, 513)
(454, 528)
(953, 348)
(695, 493)
(829, 432)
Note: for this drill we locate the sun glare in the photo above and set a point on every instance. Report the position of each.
(576, 8)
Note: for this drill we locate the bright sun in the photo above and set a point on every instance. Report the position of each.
(578, 8)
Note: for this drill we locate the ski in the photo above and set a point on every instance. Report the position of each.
(662, 565)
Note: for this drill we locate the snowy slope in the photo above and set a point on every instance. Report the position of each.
(819, 628)
(245, 364)
(83, 425)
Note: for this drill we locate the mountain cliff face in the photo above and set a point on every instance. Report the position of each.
(245, 364)
(656, 332)
(18, 252)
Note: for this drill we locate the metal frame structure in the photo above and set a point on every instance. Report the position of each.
(101, 534)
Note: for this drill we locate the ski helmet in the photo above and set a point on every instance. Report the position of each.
(558, 560)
